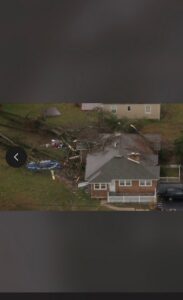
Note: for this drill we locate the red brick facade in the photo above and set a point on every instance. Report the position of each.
(135, 189)
(100, 194)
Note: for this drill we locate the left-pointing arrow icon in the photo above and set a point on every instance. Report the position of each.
(16, 156)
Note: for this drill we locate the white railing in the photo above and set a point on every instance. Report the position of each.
(168, 179)
(172, 179)
(131, 199)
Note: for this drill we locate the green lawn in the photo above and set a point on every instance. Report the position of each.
(71, 115)
(169, 172)
(21, 189)
(170, 125)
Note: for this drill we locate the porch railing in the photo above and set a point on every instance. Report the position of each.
(131, 199)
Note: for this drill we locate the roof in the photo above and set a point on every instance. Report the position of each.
(91, 106)
(52, 112)
(122, 145)
(123, 168)
(145, 144)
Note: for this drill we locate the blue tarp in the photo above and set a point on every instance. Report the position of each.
(44, 165)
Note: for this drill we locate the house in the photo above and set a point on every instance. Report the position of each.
(131, 111)
(126, 170)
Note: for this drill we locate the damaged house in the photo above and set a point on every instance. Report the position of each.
(126, 170)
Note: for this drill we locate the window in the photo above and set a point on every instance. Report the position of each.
(122, 182)
(125, 182)
(148, 182)
(97, 186)
(128, 183)
(144, 182)
(148, 109)
(113, 109)
(129, 108)
(100, 186)
(103, 186)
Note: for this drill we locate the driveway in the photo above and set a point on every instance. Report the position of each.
(169, 205)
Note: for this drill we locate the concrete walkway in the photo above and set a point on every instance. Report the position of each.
(112, 207)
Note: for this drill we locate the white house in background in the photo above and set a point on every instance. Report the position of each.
(131, 111)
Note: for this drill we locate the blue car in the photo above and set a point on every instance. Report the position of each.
(43, 165)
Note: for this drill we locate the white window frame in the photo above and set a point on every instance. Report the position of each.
(100, 187)
(114, 109)
(145, 182)
(150, 181)
(125, 182)
(96, 189)
(150, 109)
(140, 182)
(103, 189)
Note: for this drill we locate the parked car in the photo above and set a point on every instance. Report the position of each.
(172, 193)
(43, 165)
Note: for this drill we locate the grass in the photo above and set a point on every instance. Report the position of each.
(169, 172)
(21, 189)
(171, 124)
(71, 115)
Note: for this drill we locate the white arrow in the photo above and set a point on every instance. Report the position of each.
(15, 157)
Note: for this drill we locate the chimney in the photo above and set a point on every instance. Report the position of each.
(134, 156)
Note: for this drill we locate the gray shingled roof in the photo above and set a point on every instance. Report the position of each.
(122, 145)
(123, 168)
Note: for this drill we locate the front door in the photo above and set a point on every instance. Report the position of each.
(112, 186)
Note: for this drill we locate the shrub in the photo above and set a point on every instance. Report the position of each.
(110, 122)
(179, 149)
(165, 155)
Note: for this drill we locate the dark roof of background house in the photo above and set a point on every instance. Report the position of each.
(123, 168)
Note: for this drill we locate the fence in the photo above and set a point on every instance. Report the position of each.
(131, 199)
(172, 178)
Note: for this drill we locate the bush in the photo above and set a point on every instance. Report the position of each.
(179, 149)
(164, 111)
(165, 155)
(110, 122)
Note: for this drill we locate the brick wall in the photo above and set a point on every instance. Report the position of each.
(135, 188)
(101, 194)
